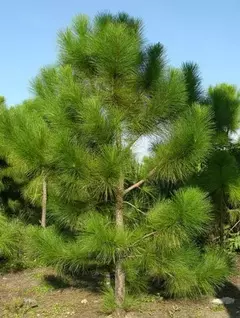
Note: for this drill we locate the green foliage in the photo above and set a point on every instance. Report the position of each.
(233, 242)
(15, 245)
(109, 304)
(213, 271)
(33, 190)
(196, 274)
(220, 178)
(96, 244)
(25, 147)
(221, 173)
(169, 98)
(99, 238)
(49, 247)
(113, 48)
(234, 216)
(187, 144)
(159, 251)
(27, 152)
(193, 82)
(76, 43)
(225, 102)
(10, 238)
(182, 218)
(168, 252)
(153, 65)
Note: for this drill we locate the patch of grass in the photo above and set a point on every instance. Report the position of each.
(108, 301)
(109, 305)
(57, 310)
(131, 302)
(40, 289)
(198, 314)
(173, 310)
(217, 308)
(146, 298)
(17, 309)
(37, 275)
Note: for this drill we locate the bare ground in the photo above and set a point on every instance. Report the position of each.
(40, 293)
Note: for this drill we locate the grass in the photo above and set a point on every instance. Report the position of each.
(134, 303)
(39, 290)
(17, 309)
(218, 308)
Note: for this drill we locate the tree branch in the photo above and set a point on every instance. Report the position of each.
(139, 183)
(133, 206)
(143, 238)
(234, 225)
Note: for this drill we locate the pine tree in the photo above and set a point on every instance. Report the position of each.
(108, 91)
(26, 149)
(221, 175)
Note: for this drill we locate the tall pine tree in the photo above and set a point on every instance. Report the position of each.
(109, 90)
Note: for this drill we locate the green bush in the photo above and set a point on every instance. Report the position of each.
(15, 242)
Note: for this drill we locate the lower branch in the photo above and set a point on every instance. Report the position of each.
(139, 183)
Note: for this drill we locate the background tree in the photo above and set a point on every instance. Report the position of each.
(26, 150)
(220, 175)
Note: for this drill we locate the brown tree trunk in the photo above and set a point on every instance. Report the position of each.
(44, 203)
(119, 271)
(221, 225)
(221, 217)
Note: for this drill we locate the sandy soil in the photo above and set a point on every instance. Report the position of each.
(40, 293)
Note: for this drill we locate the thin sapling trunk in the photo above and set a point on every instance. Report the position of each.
(222, 217)
(119, 271)
(44, 202)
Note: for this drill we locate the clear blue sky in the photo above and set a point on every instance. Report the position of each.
(205, 31)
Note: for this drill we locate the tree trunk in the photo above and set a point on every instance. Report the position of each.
(107, 280)
(119, 271)
(221, 226)
(44, 202)
(222, 218)
(119, 288)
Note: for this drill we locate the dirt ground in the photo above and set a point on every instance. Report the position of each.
(40, 293)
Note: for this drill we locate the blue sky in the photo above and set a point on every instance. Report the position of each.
(204, 31)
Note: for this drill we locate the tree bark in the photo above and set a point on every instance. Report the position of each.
(119, 206)
(44, 202)
(222, 218)
(119, 271)
(221, 224)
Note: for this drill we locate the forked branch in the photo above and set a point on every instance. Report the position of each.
(139, 183)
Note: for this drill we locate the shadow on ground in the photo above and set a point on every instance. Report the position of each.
(233, 291)
(90, 282)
